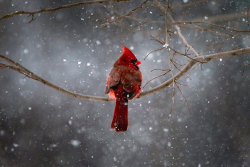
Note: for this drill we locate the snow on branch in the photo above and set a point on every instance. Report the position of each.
(206, 58)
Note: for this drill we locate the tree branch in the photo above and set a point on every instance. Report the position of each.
(191, 63)
(19, 68)
(222, 17)
(211, 19)
(122, 16)
(210, 24)
(162, 8)
(32, 13)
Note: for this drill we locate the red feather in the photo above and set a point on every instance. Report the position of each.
(120, 117)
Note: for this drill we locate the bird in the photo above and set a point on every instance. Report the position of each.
(123, 84)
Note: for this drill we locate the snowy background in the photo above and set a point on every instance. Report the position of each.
(40, 126)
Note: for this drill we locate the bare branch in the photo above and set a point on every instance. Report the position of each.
(216, 44)
(200, 28)
(210, 24)
(211, 19)
(190, 64)
(19, 68)
(223, 17)
(154, 51)
(32, 18)
(32, 13)
(168, 70)
(173, 91)
(162, 8)
(120, 17)
(223, 54)
(183, 96)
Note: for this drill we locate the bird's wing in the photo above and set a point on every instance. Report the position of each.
(113, 80)
(132, 83)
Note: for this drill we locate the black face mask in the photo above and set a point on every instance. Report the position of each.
(134, 63)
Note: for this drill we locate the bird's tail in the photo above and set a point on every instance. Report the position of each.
(120, 117)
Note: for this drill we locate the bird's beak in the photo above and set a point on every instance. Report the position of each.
(138, 62)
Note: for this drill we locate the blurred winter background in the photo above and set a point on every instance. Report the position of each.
(40, 126)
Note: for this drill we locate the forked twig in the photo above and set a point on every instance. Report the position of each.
(32, 18)
(153, 52)
(157, 76)
(173, 62)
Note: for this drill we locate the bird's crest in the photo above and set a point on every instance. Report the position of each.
(127, 54)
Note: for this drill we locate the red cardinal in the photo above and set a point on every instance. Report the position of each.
(123, 84)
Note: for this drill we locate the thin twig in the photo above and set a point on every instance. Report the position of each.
(156, 77)
(183, 96)
(32, 13)
(156, 69)
(121, 17)
(182, 84)
(216, 44)
(213, 31)
(191, 63)
(162, 8)
(172, 106)
(223, 54)
(210, 24)
(178, 68)
(153, 52)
